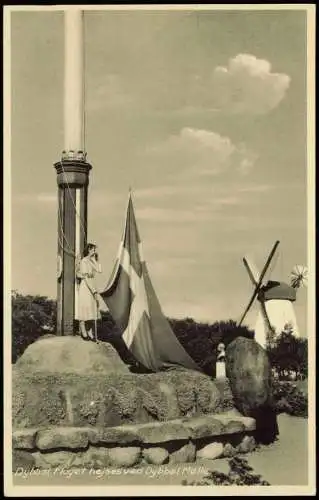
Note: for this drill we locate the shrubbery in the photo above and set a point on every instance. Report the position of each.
(290, 398)
(32, 317)
(35, 316)
(240, 474)
(289, 354)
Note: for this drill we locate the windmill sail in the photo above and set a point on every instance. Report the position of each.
(134, 306)
(259, 282)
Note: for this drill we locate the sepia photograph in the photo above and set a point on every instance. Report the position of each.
(159, 250)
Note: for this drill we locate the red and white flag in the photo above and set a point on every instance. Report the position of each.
(134, 306)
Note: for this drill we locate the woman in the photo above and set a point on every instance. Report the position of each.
(88, 304)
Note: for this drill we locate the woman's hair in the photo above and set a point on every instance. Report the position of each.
(88, 247)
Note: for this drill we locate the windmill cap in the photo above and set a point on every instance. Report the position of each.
(277, 290)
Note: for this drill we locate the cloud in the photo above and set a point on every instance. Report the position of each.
(248, 85)
(35, 198)
(256, 188)
(245, 84)
(109, 93)
(202, 152)
(167, 215)
(156, 192)
(47, 198)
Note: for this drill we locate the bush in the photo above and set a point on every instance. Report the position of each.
(240, 474)
(35, 316)
(289, 398)
(289, 354)
(200, 340)
(32, 317)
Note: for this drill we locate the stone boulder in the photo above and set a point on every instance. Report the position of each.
(183, 454)
(156, 455)
(249, 373)
(229, 450)
(124, 457)
(66, 381)
(22, 461)
(210, 451)
(247, 445)
(71, 354)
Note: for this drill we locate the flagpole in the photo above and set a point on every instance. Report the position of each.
(72, 173)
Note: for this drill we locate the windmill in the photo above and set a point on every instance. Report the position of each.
(275, 298)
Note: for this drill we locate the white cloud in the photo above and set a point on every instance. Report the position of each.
(35, 198)
(199, 151)
(47, 198)
(256, 188)
(108, 93)
(167, 215)
(156, 192)
(247, 84)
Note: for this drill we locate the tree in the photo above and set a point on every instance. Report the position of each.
(200, 340)
(32, 317)
(35, 315)
(289, 354)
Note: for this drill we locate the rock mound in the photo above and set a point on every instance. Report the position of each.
(42, 399)
(68, 354)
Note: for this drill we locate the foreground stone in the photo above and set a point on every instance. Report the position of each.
(124, 457)
(128, 434)
(204, 427)
(156, 455)
(68, 354)
(248, 423)
(229, 450)
(62, 437)
(247, 445)
(161, 432)
(186, 453)
(89, 410)
(24, 439)
(22, 460)
(211, 451)
(123, 435)
(64, 381)
(128, 445)
(249, 373)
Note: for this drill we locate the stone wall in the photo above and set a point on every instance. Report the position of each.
(175, 441)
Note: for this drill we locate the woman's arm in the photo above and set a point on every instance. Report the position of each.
(96, 265)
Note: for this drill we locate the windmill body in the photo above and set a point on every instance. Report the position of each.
(276, 311)
(276, 300)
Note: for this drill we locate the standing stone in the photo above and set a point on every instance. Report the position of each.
(249, 372)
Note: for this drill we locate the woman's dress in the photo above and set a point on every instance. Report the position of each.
(87, 304)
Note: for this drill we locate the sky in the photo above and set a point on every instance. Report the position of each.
(203, 114)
